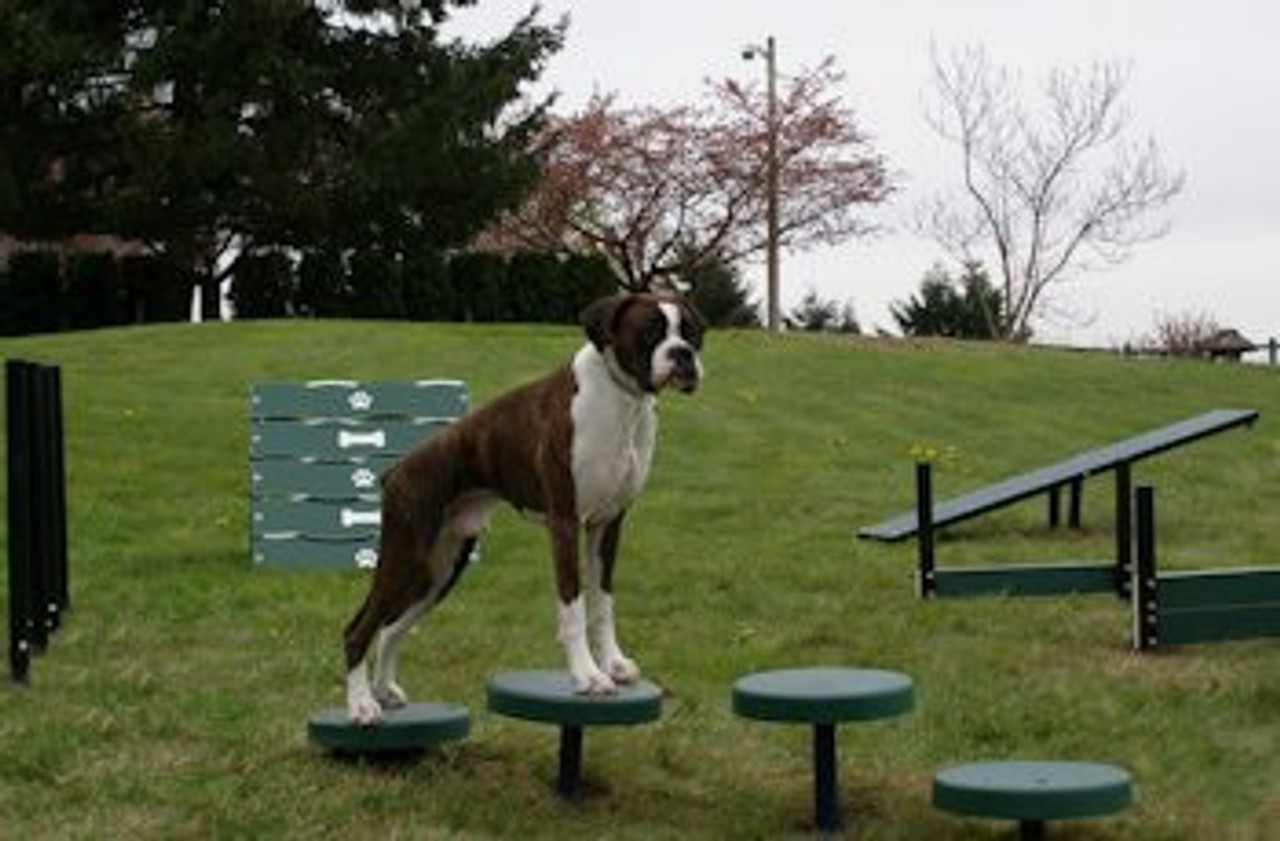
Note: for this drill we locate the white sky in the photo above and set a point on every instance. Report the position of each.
(1204, 82)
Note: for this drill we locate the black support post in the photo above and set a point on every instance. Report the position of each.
(569, 778)
(1077, 494)
(1145, 599)
(36, 473)
(1124, 529)
(826, 776)
(61, 593)
(926, 578)
(21, 513)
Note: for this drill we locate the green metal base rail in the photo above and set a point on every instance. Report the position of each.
(1179, 608)
(1172, 608)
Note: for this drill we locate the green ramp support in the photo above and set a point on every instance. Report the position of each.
(1004, 579)
(1180, 608)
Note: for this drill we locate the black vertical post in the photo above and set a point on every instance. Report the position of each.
(61, 593)
(1032, 830)
(18, 434)
(926, 581)
(1077, 493)
(569, 777)
(826, 774)
(1055, 506)
(42, 519)
(1124, 529)
(1146, 605)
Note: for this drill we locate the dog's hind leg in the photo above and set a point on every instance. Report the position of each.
(391, 594)
(361, 706)
(449, 558)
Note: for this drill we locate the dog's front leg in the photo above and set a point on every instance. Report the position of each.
(586, 675)
(602, 553)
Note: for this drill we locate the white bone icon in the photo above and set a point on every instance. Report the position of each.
(350, 517)
(377, 438)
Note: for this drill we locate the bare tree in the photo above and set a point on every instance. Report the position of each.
(1046, 194)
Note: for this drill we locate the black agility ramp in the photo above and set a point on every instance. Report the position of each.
(1070, 473)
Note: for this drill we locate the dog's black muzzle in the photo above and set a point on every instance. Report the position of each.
(685, 371)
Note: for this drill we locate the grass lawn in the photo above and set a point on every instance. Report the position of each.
(173, 703)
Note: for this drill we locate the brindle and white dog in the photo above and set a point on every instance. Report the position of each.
(572, 451)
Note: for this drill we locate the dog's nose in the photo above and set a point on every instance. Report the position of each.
(684, 367)
(682, 355)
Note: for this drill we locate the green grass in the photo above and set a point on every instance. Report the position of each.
(173, 704)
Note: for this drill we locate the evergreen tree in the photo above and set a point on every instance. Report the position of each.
(965, 308)
(201, 128)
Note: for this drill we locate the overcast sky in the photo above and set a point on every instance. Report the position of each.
(1204, 82)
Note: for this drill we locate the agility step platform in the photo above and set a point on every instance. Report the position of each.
(1033, 793)
(1069, 472)
(823, 698)
(415, 727)
(549, 697)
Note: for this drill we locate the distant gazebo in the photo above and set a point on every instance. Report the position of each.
(1229, 344)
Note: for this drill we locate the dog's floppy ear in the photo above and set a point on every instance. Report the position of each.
(598, 318)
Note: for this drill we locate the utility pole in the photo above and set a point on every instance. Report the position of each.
(770, 54)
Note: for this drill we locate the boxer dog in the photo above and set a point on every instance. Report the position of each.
(571, 451)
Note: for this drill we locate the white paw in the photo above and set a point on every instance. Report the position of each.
(364, 711)
(622, 669)
(391, 696)
(593, 682)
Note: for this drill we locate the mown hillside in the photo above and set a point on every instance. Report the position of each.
(173, 704)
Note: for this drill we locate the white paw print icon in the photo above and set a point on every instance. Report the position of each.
(364, 478)
(360, 401)
(367, 558)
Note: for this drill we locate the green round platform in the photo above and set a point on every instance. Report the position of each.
(823, 698)
(1033, 792)
(413, 727)
(549, 697)
(823, 695)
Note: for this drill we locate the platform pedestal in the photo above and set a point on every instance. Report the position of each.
(549, 698)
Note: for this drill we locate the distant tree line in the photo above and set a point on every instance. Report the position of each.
(480, 287)
(41, 292)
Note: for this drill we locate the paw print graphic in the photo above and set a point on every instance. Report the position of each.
(363, 478)
(360, 401)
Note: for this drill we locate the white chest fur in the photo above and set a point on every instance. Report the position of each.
(614, 431)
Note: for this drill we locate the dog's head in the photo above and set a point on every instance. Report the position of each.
(653, 340)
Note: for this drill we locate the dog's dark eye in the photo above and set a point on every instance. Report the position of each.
(691, 333)
(655, 329)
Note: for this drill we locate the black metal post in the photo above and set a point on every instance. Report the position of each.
(926, 579)
(826, 773)
(1055, 506)
(42, 510)
(569, 778)
(21, 509)
(1032, 830)
(1146, 597)
(1124, 529)
(1077, 494)
(38, 581)
(61, 592)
